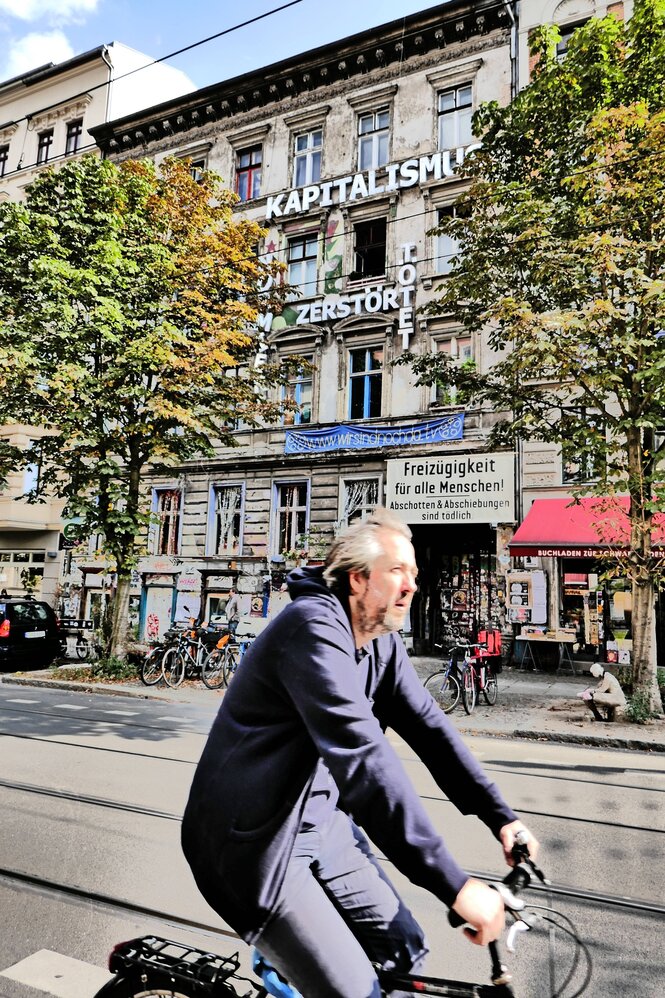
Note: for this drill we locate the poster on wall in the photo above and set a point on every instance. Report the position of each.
(469, 488)
(527, 597)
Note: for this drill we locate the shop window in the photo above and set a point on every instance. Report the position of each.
(291, 515)
(21, 570)
(369, 246)
(167, 507)
(360, 497)
(226, 520)
(248, 172)
(4, 156)
(44, 143)
(302, 258)
(455, 114)
(373, 136)
(365, 382)
(299, 391)
(307, 158)
(445, 247)
(74, 133)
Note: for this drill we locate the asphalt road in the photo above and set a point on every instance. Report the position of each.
(92, 787)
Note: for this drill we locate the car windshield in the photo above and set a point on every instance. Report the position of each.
(26, 613)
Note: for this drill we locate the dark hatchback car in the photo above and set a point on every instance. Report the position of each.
(29, 634)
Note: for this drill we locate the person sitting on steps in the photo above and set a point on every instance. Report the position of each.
(607, 693)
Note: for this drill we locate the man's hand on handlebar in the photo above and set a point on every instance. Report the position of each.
(507, 836)
(482, 908)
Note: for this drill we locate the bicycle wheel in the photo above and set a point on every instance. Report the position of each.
(445, 690)
(469, 689)
(82, 647)
(231, 662)
(212, 669)
(491, 688)
(174, 667)
(147, 985)
(151, 666)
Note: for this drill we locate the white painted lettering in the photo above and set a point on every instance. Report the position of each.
(372, 187)
(326, 194)
(342, 186)
(273, 207)
(358, 188)
(303, 314)
(407, 274)
(430, 165)
(328, 310)
(309, 196)
(409, 173)
(392, 184)
(292, 203)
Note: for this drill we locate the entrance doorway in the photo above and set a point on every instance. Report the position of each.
(457, 593)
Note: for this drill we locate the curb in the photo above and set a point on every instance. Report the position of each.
(564, 737)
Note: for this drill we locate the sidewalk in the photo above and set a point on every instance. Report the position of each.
(537, 706)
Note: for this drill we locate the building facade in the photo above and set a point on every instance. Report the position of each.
(348, 155)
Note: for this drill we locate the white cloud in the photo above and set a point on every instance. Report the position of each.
(54, 10)
(35, 50)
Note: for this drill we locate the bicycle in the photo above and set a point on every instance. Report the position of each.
(234, 655)
(152, 966)
(152, 666)
(444, 685)
(478, 676)
(188, 656)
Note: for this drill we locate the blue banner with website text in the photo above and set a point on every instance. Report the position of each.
(354, 437)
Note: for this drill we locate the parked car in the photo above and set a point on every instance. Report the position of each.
(29, 633)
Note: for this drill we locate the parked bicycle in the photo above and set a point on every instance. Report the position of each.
(151, 966)
(444, 685)
(234, 655)
(152, 667)
(477, 676)
(192, 655)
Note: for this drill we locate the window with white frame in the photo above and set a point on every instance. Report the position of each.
(197, 167)
(74, 134)
(360, 497)
(302, 260)
(373, 139)
(167, 505)
(225, 533)
(291, 515)
(299, 391)
(307, 157)
(455, 114)
(460, 352)
(445, 246)
(365, 382)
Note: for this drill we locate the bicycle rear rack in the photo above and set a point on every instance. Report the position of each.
(206, 973)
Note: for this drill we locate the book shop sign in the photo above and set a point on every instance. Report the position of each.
(469, 488)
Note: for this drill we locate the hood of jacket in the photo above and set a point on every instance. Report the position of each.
(307, 581)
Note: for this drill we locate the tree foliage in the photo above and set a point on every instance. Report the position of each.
(562, 247)
(127, 299)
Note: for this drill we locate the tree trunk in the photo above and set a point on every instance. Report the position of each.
(644, 643)
(118, 646)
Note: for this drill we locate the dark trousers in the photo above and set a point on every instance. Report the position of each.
(339, 914)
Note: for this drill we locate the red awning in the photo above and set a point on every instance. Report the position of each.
(567, 528)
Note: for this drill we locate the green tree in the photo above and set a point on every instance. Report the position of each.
(562, 246)
(127, 298)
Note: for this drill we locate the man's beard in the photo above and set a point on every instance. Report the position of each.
(380, 619)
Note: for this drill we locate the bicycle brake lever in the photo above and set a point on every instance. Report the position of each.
(519, 926)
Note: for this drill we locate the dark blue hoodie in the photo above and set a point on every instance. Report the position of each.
(304, 693)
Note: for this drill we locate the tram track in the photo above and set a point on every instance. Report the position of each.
(105, 802)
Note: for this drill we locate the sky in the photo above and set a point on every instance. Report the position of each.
(34, 32)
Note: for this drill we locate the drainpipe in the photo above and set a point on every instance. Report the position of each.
(513, 14)
(107, 60)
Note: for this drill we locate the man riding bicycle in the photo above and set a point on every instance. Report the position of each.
(297, 763)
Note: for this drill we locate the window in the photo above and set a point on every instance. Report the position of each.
(373, 132)
(197, 168)
(369, 245)
(44, 143)
(446, 247)
(581, 465)
(302, 264)
(291, 515)
(455, 113)
(167, 504)
(74, 132)
(4, 156)
(226, 520)
(366, 375)
(299, 390)
(360, 496)
(248, 172)
(566, 34)
(460, 351)
(307, 159)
